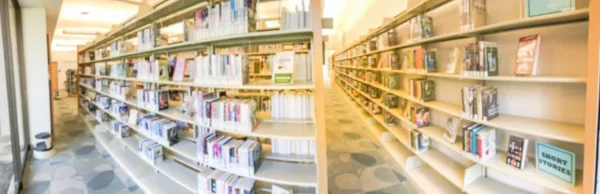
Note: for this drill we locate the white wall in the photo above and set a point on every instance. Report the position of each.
(358, 16)
(36, 64)
(65, 60)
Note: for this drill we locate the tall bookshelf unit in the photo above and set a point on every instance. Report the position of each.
(549, 107)
(180, 169)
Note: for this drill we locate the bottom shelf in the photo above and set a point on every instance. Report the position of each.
(485, 185)
(142, 173)
(430, 181)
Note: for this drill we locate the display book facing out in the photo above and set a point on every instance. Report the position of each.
(135, 88)
(480, 106)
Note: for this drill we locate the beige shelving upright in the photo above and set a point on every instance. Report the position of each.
(177, 174)
(445, 163)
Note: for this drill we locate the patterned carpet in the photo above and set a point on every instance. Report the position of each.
(357, 162)
(80, 166)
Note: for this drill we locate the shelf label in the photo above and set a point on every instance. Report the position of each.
(555, 161)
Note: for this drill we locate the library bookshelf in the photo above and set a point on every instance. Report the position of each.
(528, 104)
(179, 171)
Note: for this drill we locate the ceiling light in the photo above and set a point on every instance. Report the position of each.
(84, 13)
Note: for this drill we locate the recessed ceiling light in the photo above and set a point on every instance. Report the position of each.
(84, 13)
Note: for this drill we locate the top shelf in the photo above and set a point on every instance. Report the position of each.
(162, 11)
(401, 18)
(558, 18)
(269, 36)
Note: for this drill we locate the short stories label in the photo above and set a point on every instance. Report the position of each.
(556, 162)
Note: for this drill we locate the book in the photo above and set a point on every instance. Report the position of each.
(491, 60)
(393, 81)
(179, 73)
(418, 141)
(283, 69)
(430, 61)
(428, 90)
(527, 55)
(394, 58)
(162, 67)
(471, 13)
(490, 104)
(543, 7)
(516, 154)
(486, 143)
(452, 127)
(454, 60)
(422, 116)
(426, 26)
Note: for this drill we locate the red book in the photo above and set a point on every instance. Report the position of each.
(527, 55)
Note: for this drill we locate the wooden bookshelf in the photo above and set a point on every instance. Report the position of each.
(178, 172)
(444, 167)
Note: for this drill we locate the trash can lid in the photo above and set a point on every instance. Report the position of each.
(43, 135)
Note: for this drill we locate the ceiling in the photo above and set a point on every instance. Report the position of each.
(78, 20)
(97, 16)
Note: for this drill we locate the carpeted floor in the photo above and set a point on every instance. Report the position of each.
(356, 161)
(80, 165)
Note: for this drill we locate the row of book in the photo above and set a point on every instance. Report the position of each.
(480, 102)
(161, 130)
(236, 155)
(152, 98)
(88, 81)
(421, 89)
(149, 38)
(150, 151)
(119, 129)
(222, 70)
(118, 69)
(421, 27)
(87, 70)
(219, 182)
(292, 105)
(266, 48)
(120, 89)
(118, 108)
(293, 147)
(226, 113)
(101, 84)
(481, 59)
(419, 115)
(479, 141)
(225, 18)
(295, 15)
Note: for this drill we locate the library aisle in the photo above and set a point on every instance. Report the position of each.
(80, 165)
(357, 162)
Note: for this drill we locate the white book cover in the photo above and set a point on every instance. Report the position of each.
(283, 68)
(179, 69)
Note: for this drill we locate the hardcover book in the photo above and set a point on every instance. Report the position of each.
(422, 116)
(516, 154)
(527, 55)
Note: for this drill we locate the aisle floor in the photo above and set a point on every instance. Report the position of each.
(356, 161)
(80, 166)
